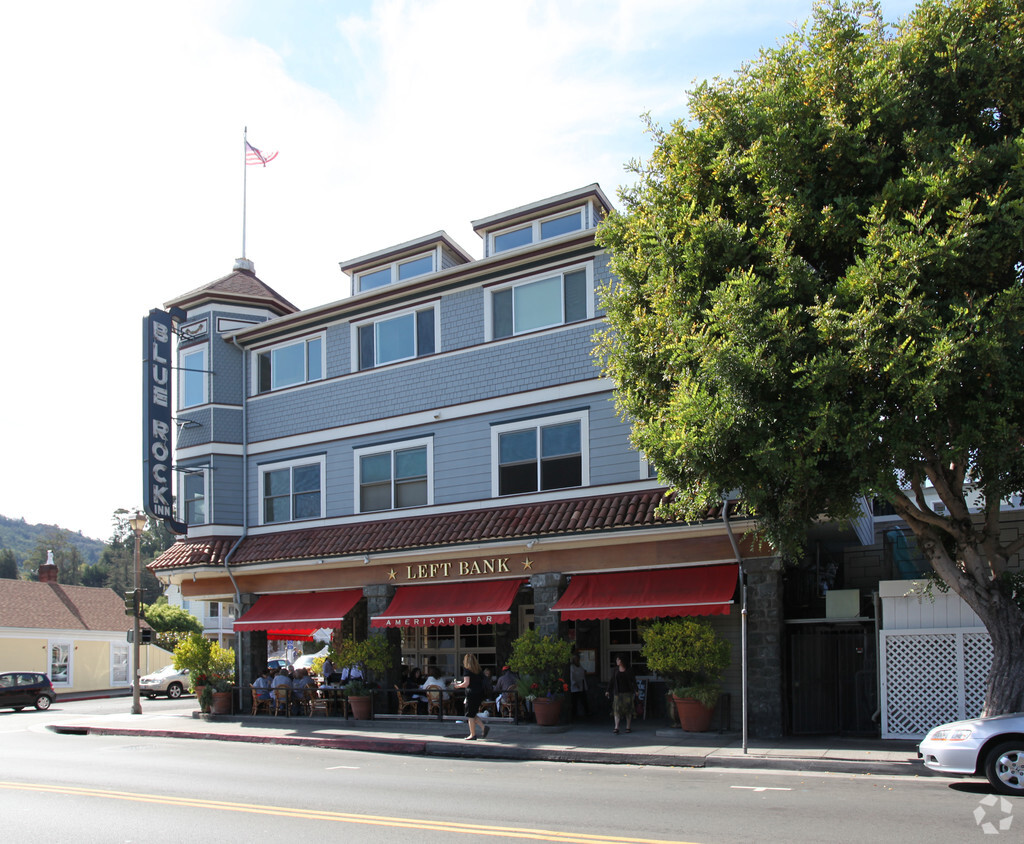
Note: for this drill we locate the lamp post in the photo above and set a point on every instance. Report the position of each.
(138, 524)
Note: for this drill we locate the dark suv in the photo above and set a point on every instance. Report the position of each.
(19, 689)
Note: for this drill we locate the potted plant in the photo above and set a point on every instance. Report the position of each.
(372, 655)
(193, 653)
(222, 678)
(541, 663)
(692, 656)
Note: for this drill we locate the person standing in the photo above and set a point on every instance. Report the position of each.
(473, 683)
(578, 687)
(621, 690)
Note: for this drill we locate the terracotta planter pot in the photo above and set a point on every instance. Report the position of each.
(694, 716)
(547, 711)
(362, 706)
(199, 697)
(221, 703)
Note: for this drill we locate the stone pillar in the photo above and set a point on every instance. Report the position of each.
(378, 596)
(250, 652)
(764, 646)
(547, 589)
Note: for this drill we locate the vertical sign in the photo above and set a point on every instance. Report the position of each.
(157, 451)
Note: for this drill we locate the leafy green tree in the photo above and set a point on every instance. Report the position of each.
(821, 292)
(8, 564)
(170, 623)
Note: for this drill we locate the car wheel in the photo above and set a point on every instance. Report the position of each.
(43, 702)
(149, 696)
(17, 708)
(1004, 767)
(174, 691)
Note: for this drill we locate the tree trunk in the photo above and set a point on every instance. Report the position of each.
(1004, 691)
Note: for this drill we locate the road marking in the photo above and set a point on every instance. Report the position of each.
(337, 817)
(342, 768)
(760, 788)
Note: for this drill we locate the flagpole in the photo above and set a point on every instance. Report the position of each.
(245, 177)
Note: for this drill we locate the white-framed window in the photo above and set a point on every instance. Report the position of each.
(394, 476)
(193, 497)
(192, 377)
(396, 337)
(540, 454)
(540, 302)
(119, 663)
(289, 364)
(60, 663)
(292, 491)
(536, 231)
(403, 270)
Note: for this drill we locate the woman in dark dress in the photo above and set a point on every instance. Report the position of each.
(621, 690)
(473, 683)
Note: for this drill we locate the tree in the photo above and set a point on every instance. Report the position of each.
(66, 556)
(8, 564)
(170, 623)
(821, 292)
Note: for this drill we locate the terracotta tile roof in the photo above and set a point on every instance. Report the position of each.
(54, 606)
(571, 516)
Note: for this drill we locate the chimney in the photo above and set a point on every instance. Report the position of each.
(48, 570)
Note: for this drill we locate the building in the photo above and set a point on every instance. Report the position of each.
(437, 457)
(75, 634)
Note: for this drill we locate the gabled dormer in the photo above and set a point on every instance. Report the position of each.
(546, 220)
(412, 259)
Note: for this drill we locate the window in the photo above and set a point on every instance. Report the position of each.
(395, 476)
(60, 663)
(289, 364)
(119, 665)
(195, 497)
(399, 270)
(533, 457)
(540, 303)
(193, 377)
(293, 491)
(395, 338)
(537, 231)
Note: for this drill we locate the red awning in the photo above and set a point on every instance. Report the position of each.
(652, 593)
(299, 615)
(443, 604)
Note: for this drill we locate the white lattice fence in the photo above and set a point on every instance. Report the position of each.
(930, 677)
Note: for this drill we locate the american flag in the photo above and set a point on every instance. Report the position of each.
(254, 156)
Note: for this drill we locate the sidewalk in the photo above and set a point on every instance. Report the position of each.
(650, 743)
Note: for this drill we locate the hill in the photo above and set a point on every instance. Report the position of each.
(22, 538)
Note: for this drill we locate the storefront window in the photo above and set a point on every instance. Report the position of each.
(444, 647)
(624, 639)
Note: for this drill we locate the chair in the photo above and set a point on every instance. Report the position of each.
(282, 701)
(405, 707)
(509, 703)
(433, 700)
(314, 702)
(259, 703)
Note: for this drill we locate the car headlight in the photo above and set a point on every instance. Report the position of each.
(959, 734)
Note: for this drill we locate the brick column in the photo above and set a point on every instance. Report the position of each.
(764, 646)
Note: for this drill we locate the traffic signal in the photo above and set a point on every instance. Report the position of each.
(146, 636)
(130, 602)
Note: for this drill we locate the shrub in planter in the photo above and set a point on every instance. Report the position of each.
(690, 655)
(542, 663)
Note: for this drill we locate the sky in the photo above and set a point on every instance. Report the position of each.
(122, 177)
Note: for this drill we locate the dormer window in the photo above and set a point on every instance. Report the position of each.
(396, 271)
(537, 231)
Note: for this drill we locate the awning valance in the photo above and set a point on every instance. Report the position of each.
(695, 590)
(443, 604)
(299, 615)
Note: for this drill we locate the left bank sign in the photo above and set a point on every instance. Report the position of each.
(157, 447)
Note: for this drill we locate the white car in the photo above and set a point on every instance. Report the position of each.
(167, 681)
(306, 660)
(992, 747)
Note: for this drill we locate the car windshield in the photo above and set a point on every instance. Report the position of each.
(165, 671)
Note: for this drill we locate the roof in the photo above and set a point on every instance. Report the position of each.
(239, 287)
(56, 606)
(567, 516)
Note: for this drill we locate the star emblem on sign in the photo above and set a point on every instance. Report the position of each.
(527, 564)
(391, 574)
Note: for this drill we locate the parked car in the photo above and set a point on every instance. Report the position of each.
(167, 681)
(19, 689)
(991, 747)
(277, 663)
(306, 660)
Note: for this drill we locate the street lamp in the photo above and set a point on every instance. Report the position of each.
(138, 524)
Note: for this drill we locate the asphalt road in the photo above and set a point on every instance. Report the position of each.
(85, 788)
